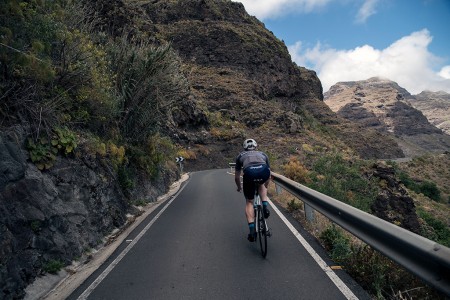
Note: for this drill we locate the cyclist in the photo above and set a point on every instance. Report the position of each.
(256, 168)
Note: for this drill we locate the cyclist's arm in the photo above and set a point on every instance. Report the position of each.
(237, 180)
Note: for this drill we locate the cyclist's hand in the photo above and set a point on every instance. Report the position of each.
(239, 189)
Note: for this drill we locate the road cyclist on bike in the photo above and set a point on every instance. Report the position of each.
(256, 172)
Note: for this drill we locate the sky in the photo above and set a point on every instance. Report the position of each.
(407, 41)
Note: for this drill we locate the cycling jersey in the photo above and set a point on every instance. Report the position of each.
(251, 158)
(256, 170)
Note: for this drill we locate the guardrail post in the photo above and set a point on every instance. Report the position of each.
(278, 189)
(309, 212)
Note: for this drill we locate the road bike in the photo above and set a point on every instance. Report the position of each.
(261, 227)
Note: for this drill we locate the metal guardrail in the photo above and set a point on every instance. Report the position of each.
(426, 259)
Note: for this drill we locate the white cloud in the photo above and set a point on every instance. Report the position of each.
(445, 72)
(265, 9)
(407, 62)
(366, 10)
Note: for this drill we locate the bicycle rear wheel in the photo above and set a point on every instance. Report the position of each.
(262, 232)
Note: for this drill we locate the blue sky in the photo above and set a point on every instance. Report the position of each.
(407, 41)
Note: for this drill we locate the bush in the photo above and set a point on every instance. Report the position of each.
(53, 266)
(336, 243)
(440, 232)
(149, 82)
(427, 188)
(430, 190)
(294, 205)
(343, 180)
(43, 152)
(296, 171)
(152, 156)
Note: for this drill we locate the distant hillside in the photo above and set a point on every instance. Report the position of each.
(383, 105)
(435, 106)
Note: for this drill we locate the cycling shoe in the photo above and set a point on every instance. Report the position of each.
(251, 237)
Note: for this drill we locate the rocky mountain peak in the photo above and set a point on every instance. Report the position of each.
(385, 106)
(435, 106)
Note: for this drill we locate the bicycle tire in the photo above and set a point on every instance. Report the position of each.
(262, 232)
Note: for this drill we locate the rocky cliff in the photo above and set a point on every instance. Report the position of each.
(53, 217)
(243, 78)
(383, 105)
(435, 106)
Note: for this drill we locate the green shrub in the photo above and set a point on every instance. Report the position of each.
(440, 232)
(376, 273)
(149, 82)
(336, 243)
(64, 140)
(151, 156)
(430, 190)
(42, 154)
(344, 180)
(427, 188)
(53, 266)
(125, 177)
(36, 226)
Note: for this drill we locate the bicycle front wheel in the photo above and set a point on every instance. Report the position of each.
(262, 232)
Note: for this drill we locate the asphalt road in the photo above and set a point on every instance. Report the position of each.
(197, 248)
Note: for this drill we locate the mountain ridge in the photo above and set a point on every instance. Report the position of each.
(435, 106)
(385, 106)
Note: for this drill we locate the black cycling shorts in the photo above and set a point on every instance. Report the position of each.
(254, 175)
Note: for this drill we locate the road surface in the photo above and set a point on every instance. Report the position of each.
(195, 247)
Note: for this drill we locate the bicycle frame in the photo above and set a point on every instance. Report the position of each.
(262, 230)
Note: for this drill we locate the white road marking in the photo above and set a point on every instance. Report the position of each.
(336, 280)
(105, 273)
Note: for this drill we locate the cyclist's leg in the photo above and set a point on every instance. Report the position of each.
(250, 214)
(248, 188)
(263, 191)
(249, 211)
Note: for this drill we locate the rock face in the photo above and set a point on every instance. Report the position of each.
(435, 106)
(53, 216)
(383, 105)
(239, 68)
(219, 34)
(393, 204)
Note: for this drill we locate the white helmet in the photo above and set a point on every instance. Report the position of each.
(249, 144)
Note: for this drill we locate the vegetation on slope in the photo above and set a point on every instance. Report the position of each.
(71, 83)
(349, 180)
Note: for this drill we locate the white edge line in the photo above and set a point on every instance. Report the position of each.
(331, 274)
(105, 273)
